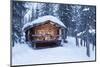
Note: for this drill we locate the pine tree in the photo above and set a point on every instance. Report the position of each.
(17, 15)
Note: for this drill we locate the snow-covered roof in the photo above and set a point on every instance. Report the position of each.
(42, 20)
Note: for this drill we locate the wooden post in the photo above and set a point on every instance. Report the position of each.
(34, 45)
(60, 37)
(64, 36)
(28, 35)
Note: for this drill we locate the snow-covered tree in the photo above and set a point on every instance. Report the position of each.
(18, 12)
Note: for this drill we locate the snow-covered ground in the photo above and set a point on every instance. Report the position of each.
(22, 54)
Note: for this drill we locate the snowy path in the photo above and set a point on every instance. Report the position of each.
(23, 54)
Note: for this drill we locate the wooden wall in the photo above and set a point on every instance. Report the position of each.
(48, 31)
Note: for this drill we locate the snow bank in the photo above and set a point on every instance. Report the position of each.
(22, 54)
(42, 20)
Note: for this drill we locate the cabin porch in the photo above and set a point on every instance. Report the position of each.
(45, 43)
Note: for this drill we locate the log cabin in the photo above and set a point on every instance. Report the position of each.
(44, 31)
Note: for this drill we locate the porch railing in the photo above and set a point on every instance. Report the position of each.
(46, 37)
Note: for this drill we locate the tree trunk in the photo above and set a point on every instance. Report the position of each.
(93, 44)
(77, 43)
(84, 42)
(87, 48)
(81, 42)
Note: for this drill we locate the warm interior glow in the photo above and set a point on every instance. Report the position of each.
(47, 31)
